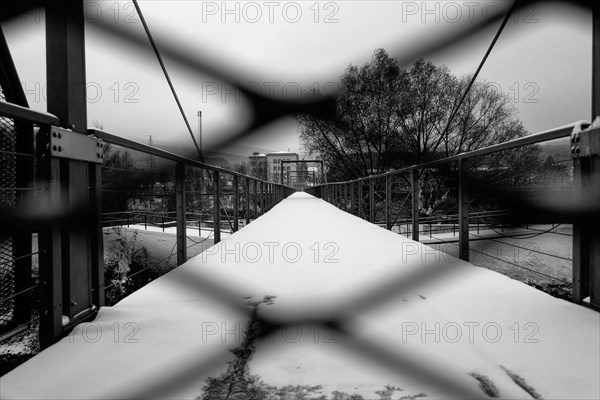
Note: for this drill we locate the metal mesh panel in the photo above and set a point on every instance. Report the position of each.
(8, 176)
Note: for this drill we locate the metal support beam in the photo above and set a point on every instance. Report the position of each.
(50, 248)
(586, 240)
(217, 206)
(388, 202)
(180, 212)
(72, 260)
(463, 209)
(236, 204)
(414, 175)
(97, 239)
(586, 186)
(595, 61)
(581, 232)
(65, 63)
(594, 258)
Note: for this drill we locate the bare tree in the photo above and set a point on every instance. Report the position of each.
(389, 117)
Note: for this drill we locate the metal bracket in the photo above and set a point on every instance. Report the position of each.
(75, 146)
(585, 143)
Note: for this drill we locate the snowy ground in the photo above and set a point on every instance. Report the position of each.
(160, 246)
(190, 231)
(412, 317)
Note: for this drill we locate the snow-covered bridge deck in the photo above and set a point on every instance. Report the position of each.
(410, 317)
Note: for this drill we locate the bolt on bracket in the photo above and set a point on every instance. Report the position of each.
(65, 143)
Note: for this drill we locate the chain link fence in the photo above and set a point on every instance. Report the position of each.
(8, 178)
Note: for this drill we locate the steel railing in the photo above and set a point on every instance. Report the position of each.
(358, 196)
(36, 216)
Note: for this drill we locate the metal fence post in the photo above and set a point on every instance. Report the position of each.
(463, 209)
(236, 204)
(262, 197)
(360, 199)
(255, 184)
(216, 206)
(415, 204)
(581, 233)
(180, 213)
(349, 197)
(98, 294)
(371, 200)
(247, 190)
(388, 202)
(586, 183)
(334, 194)
(269, 195)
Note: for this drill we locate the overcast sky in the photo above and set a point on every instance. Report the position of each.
(542, 60)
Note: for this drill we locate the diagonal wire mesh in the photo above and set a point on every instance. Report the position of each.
(377, 295)
(8, 179)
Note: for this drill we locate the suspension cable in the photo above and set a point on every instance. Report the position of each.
(487, 53)
(175, 96)
(164, 69)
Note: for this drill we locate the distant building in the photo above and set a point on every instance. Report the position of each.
(258, 165)
(268, 166)
(289, 170)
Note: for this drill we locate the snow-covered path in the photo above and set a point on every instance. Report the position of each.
(414, 318)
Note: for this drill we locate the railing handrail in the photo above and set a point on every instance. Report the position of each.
(144, 148)
(15, 111)
(544, 136)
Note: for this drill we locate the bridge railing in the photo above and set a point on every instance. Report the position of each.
(30, 291)
(552, 206)
(257, 195)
